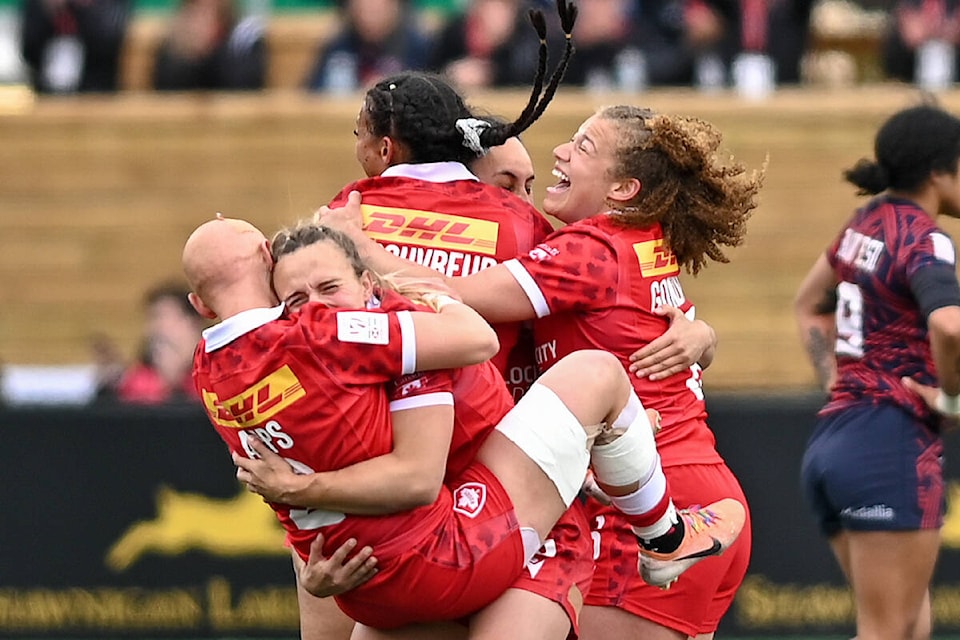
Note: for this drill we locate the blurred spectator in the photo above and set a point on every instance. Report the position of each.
(608, 48)
(779, 29)
(108, 363)
(491, 44)
(377, 38)
(209, 47)
(921, 42)
(73, 46)
(162, 372)
(679, 36)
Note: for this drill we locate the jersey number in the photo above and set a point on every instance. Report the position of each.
(849, 320)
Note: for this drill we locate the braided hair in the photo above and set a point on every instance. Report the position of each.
(430, 118)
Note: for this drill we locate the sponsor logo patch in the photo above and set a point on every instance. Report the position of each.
(656, 259)
(257, 404)
(363, 327)
(430, 229)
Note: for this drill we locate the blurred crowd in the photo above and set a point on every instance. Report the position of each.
(628, 45)
(77, 46)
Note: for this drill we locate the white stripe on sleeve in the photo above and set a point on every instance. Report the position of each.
(437, 399)
(529, 286)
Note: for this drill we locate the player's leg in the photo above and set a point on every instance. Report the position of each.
(520, 614)
(891, 573)
(547, 599)
(540, 452)
(612, 622)
(923, 627)
(428, 631)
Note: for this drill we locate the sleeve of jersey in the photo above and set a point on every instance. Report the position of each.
(341, 198)
(932, 273)
(364, 346)
(933, 247)
(570, 271)
(433, 388)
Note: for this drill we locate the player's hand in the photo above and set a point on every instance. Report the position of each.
(347, 218)
(929, 396)
(680, 346)
(270, 476)
(324, 577)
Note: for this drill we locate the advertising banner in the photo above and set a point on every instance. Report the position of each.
(126, 522)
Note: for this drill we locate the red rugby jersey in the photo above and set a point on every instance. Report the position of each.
(457, 227)
(594, 285)
(480, 399)
(313, 386)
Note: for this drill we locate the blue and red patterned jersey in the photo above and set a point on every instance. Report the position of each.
(456, 225)
(881, 331)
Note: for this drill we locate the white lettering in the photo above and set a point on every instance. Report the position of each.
(666, 291)
(439, 262)
(278, 436)
(520, 375)
(271, 434)
(454, 264)
(860, 250)
(546, 352)
(449, 263)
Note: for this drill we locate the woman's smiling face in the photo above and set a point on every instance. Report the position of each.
(582, 167)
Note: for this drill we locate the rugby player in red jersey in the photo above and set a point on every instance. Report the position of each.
(298, 384)
(643, 195)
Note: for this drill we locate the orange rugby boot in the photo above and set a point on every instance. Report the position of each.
(708, 531)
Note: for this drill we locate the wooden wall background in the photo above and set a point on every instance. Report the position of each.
(97, 196)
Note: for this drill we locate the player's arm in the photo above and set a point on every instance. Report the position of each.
(685, 342)
(814, 309)
(493, 292)
(455, 336)
(452, 337)
(937, 293)
(410, 476)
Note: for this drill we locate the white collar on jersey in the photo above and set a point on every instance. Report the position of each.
(431, 172)
(220, 335)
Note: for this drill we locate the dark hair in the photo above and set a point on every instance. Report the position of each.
(308, 232)
(421, 110)
(909, 146)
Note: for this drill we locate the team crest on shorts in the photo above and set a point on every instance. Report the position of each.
(469, 499)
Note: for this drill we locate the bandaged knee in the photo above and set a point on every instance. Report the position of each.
(551, 436)
(631, 455)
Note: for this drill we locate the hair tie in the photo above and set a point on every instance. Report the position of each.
(471, 128)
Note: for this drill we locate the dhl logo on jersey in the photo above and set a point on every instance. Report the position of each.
(430, 229)
(259, 403)
(655, 258)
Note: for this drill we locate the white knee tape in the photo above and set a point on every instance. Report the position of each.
(545, 429)
(630, 458)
